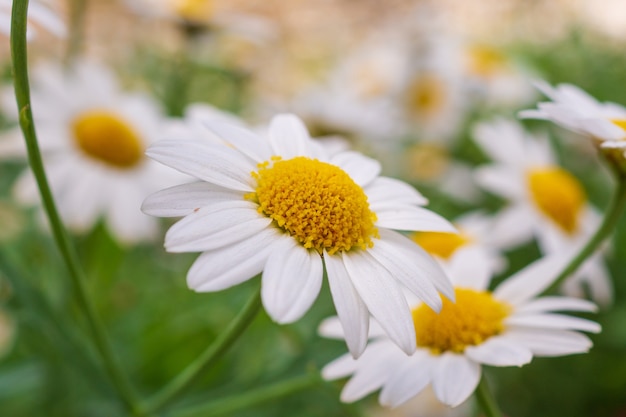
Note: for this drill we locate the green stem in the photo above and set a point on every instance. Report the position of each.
(220, 346)
(231, 404)
(76, 35)
(611, 217)
(486, 401)
(22, 95)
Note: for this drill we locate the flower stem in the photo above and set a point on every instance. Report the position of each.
(233, 403)
(486, 401)
(611, 217)
(77, 12)
(220, 346)
(22, 95)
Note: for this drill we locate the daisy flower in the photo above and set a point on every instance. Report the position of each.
(574, 109)
(93, 137)
(545, 201)
(38, 13)
(281, 206)
(506, 327)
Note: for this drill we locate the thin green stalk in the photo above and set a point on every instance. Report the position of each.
(211, 355)
(22, 95)
(486, 401)
(233, 403)
(611, 217)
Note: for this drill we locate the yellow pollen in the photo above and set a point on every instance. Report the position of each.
(316, 203)
(485, 61)
(106, 137)
(193, 9)
(426, 96)
(558, 194)
(619, 123)
(473, 318)
(440, 244)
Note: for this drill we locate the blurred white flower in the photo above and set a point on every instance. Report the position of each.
(92, 137)
(281, 205)
(39, 14)
(506, 327)
(574, 109)
(545, 201)
(424, 404)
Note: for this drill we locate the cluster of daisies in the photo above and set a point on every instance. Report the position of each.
(412, 291)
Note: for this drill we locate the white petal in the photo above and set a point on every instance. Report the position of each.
(550, 342)
(503, 140)
(331, 328)
(455, 378)
(215, 226)
(501, 181)
(183, 199)
(362, 170)
(531, 280)
(374, 369)
(350, 308)
(499, 351)
(407, 381)
(401, 217)
(383, 297)
(291, 280)
(231, 265)
(470, 268)
(288, 136)
(384, 190)
(250, 144)
(556, 304)
(512, 226)
(413, 267)
(553, 321)
(340, 368)
(47, 18)
(216, 164)
(602, 129)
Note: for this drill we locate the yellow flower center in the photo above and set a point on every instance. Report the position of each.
(106, 137)
(316, 203)
(559, 195)
(473, 318)
(619, 123)
(193, 9)
(426, 96)
(485, 61)
(439, 243)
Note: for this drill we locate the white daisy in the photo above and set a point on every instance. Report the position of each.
(506, 327)
(279, 205)
(92, 137)
(39, 14)
(545, 201)
(574, 109)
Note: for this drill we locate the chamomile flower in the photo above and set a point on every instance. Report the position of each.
(93, 137)
(506, 327)
(39, 14)
(574, 109)
(280, 205)
(545, 201)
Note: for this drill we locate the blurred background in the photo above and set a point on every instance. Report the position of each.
(401, 80)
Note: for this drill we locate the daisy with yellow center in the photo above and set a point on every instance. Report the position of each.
(574, 109)
(93, 138)
(504, 327)
(546, 202)
(283, 206)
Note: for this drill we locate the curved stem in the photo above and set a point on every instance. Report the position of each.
(611, 217)
(486, 401)
(22, 95)
(249, 399)
(220, 346)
